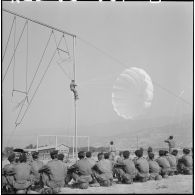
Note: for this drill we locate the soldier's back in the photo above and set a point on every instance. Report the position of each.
(172, 160)
(57, 170)
(163, 162)
(84, 167)
(129, 166)
(36, 165)
(187, 159)
(91, 161)
(154, 166)
(22, 171)
(9, 167)
(105, 166)
(142, 165)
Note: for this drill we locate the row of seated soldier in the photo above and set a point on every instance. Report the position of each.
(21, 176)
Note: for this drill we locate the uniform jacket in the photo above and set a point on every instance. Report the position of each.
(142, 165)
(187, 160)
(129, 166)
(58, 170)
(163, 162)
(84, 167)
(154, 166)
(172, 161)
(36, 165)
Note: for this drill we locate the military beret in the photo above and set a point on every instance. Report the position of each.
(60, 156)
(150, 149)
(186, 151)
(23, 157)
(18, 150)
(106, 155)
(11, 157)
(88, 154)
(54, 152)
(151, 155)
(161, 152)
(81, 154)
(126, 154)
(35, 154)
(174, 152)
(139, 153)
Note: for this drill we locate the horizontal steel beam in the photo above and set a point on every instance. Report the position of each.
(35, 21)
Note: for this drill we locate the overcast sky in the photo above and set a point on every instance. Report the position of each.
(155, 37)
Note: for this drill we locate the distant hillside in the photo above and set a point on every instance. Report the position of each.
(146, 132)
(126, 133)
(151, 136)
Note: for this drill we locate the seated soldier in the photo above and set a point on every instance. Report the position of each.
(104, 170)
(125, 169)
(117, 159)
(119, 156)
(110, 161)
(142, 166)
(185, 163)
(36, 165)
(88, 157)
(8, 175)
(154, 168)
(22, 178)
(83, 171)
(164, 164)
(56, 173)
(172, 161)
(94, 182)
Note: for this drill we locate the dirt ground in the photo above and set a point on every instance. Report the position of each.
(177, 184)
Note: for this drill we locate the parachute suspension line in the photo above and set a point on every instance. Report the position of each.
(8, 37)
(16, 122)
(27, 47)
(125, 66)
(40, 62)
(171, 93)
(59, 64)
(14, 58)
(56, 44)
(14, 51)
(175, 109)
(35, 74)
(103, 52)
(65, 73)
(66, 45)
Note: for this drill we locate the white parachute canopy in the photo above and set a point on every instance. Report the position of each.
(132, 93)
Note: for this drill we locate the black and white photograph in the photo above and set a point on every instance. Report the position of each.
(97, 97)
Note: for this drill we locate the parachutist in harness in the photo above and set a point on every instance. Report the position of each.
(72, 88)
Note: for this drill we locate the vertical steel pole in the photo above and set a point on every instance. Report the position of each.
(37, 142)
(73, 146)
(56, 141)
(88, 143)
(75, 106)
(137, 142)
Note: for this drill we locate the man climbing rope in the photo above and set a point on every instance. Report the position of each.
(72, 88)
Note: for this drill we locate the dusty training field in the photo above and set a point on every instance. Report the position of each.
(180, 184)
